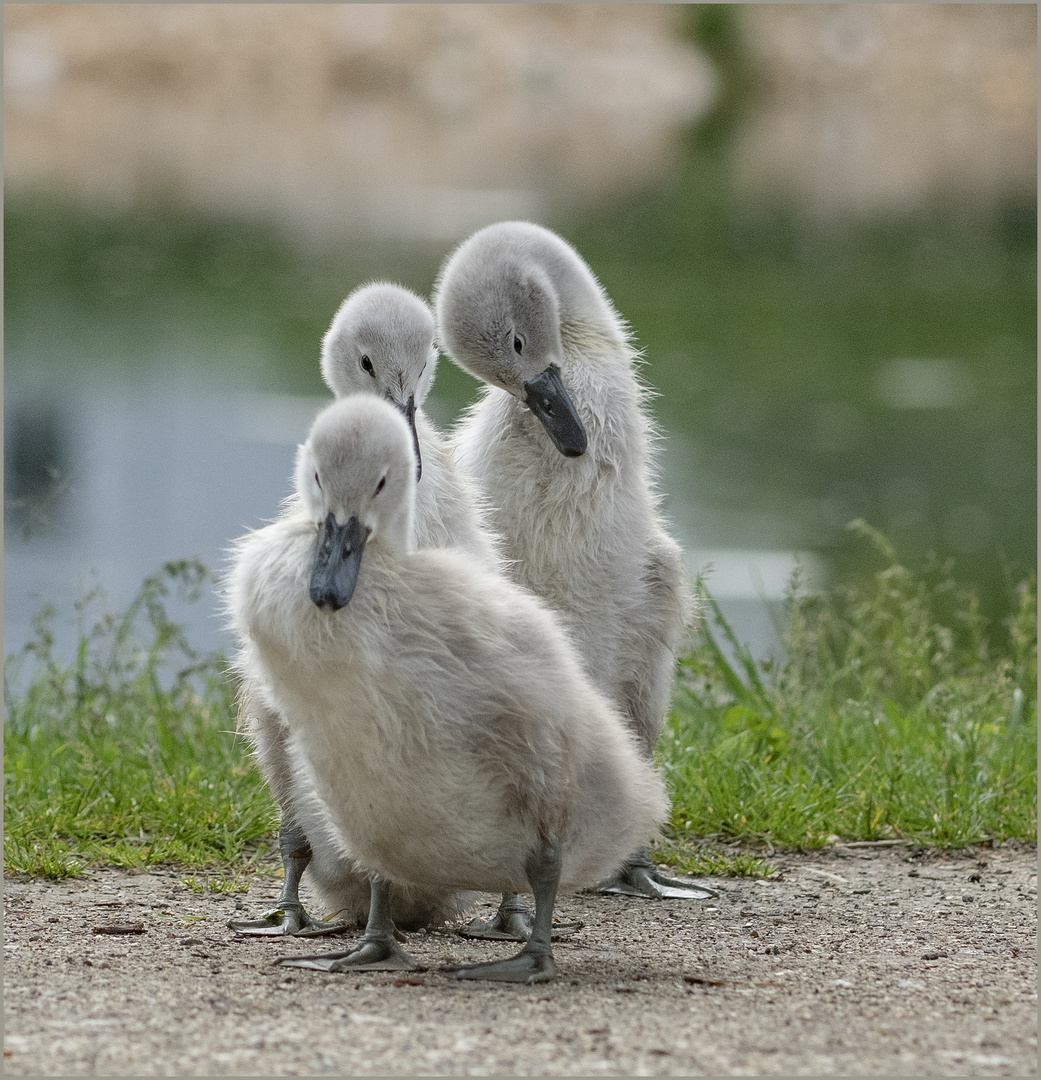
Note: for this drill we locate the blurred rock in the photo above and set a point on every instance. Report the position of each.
(868, 108)
(419, 120)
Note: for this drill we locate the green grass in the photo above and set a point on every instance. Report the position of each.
(893, 715)
(705, 859)
(126, 756)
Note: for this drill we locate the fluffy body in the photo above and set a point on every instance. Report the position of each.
(393, 328)
(441, 722)
(584, 533)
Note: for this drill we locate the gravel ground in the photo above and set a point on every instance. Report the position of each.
(856, 961)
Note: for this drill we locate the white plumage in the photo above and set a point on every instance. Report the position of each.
(440, 719)
(518, 308)
(583, 532)
(380, 341)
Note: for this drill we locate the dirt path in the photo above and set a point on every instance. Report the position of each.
(857, 962)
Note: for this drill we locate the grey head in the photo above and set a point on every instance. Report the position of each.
(381, 341)
(499, 306)
(356, 479)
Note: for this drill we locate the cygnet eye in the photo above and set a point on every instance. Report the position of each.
(379, 486)
(317, 481)
(366, 363)
(518, 344)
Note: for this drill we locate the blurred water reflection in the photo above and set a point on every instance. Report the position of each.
(165, 468)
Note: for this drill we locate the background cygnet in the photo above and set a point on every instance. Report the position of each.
(380, 341)
(437, 713)
(560, 443)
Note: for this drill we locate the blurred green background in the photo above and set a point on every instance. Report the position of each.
(839, 315)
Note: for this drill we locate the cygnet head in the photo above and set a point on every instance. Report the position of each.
(356, 478)
(381, 341)
(498, 316)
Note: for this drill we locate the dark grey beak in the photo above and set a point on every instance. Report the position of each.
(409, 409)
(548, 400)
(336, 562)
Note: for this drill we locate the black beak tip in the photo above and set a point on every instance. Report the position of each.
(325, 600)
(337, 559)
(547, 398)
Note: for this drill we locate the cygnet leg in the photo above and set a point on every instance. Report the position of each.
(512, 922)
(638, 876)
(534, 963)
(289, 917)
(376, 949)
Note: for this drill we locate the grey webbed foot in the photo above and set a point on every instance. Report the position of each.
(376, 949)
(534, 963)
(525, 967)
(289, 917)
(639, 877)
(370, 954)
(321, 929)
(512, 922)
(285, 920)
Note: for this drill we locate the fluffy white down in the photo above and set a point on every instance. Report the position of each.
(441, 720)
(584, 533)
(396, 327)
(450, 510)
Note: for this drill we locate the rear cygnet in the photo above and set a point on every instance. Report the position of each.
(560, 443)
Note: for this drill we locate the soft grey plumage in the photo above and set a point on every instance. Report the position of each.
(560, 443)
(380, 341)
(439, 719)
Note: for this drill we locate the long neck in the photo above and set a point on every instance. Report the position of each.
(598, 357)
(588, 320)
(399, 535)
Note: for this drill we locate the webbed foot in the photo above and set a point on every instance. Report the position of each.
(525, 967)
(319, 928)
(289, 919)
(370, 954)
(517, 927)
(534, 963)
(512, 922)
(639, 878)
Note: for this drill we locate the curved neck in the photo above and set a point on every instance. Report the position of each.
(587, 317)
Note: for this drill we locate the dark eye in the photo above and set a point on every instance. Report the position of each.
(317, 481)
(366, 363)
(518, 344)
(379, 486)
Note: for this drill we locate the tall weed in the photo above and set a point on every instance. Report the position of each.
(127, 754)
(895, 712)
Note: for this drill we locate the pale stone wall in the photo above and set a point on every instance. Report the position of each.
(431, 119)
(423, 119)
(875, 107)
